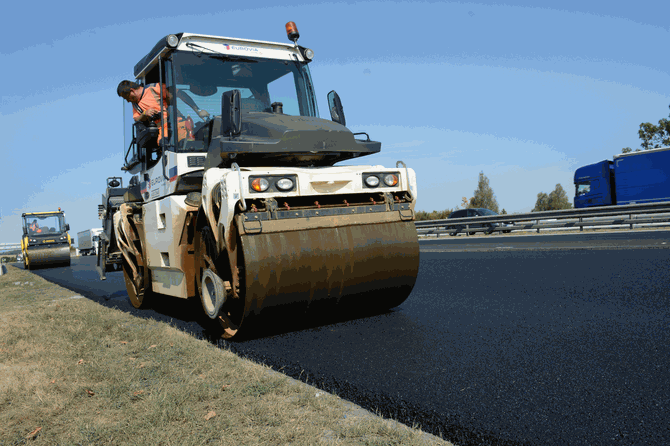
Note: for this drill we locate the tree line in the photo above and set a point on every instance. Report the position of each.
(484, 197)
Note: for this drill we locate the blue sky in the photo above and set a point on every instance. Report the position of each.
(524, 93)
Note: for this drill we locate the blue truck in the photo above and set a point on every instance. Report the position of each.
(636, 177)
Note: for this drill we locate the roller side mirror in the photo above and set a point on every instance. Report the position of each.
(335, 107)
(231, 113)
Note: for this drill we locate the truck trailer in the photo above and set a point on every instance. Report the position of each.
(88, 241)
(240, 204)
(631, 178)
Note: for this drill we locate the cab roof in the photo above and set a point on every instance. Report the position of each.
(162, 48)
(41, 213)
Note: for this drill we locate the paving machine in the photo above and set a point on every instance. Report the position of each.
(240, 203)
(45, 242)
(109, 255)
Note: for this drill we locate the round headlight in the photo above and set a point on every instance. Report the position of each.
(309, 54)
(390, 180)
(372, 181)
(260, 184)
(172, 40)
(285, 184)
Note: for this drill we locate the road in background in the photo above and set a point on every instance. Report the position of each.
(581, 240)
(499, 343)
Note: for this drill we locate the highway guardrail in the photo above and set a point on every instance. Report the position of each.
(628, 215)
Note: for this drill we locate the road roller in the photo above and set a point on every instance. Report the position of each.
(243, 198)
(46, 241)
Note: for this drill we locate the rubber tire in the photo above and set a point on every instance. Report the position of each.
(215, 287)
(224, 327)
(145, 295)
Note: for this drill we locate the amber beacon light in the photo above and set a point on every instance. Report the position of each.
(292, 32)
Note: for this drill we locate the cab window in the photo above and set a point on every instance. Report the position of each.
(583, 188)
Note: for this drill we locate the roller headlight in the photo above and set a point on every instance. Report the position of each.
(308, 53)
(172, 40)
(372, 181)
(391, 180)
(273, 183)
(284, 184)
(260, 184)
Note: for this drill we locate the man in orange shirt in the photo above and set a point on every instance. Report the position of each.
(147, 105)
(34, 227)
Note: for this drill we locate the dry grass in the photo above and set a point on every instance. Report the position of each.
(73, 372)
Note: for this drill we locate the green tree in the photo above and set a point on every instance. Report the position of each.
(557, 199)
(503, 212)
(542, 203)
(652, 136)
(484, 196)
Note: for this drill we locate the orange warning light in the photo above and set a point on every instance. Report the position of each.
(292, 31)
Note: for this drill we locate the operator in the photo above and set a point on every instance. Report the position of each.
(34, 227)
(146, 105)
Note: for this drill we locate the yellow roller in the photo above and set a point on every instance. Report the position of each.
(45, 240)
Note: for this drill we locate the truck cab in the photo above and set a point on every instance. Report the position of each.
(594, 185)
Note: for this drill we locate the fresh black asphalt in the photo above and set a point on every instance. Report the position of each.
(501, 342)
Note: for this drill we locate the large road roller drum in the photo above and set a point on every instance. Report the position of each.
(36, 257)
(355, 269)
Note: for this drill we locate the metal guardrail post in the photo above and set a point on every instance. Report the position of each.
(631, 217)
(537, 222)
(581, 227)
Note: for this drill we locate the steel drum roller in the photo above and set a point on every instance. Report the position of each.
(41, 256)
(376, 263)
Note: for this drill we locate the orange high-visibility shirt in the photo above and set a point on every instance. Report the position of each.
(150, 100)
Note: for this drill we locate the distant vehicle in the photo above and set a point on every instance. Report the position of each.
(19, 258)
(637, 177)
(475, 212)
(88, 241)
(45, 241)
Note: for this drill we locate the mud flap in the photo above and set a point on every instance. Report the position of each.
(367, 267)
